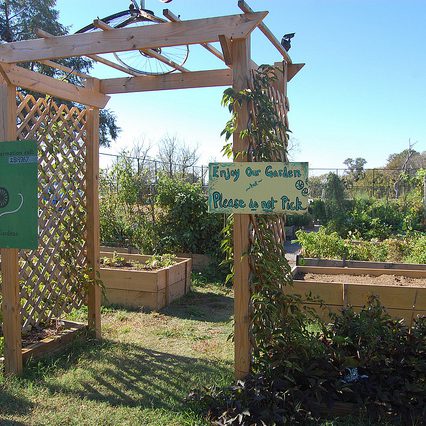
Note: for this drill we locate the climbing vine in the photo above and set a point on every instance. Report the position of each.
(275, 316)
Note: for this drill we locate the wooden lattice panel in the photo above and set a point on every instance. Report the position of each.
(279, 102)
(53, 278)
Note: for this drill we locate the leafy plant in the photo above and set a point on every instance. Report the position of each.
(154, 262)
(183, 222)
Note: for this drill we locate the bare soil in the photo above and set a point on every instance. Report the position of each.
(36, 334)
(385, 279)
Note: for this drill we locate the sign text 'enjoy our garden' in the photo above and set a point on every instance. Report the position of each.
(258, 188)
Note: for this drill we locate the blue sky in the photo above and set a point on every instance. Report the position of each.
(362, 92)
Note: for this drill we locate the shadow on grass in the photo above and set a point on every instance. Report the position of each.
(202, 306)
(125, 374)
(11, 404)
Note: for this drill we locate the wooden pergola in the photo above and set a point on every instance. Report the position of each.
(233, 32)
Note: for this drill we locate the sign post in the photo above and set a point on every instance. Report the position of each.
(18, 195)
(245, 188)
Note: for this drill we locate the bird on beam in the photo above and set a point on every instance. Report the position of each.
(286, 41)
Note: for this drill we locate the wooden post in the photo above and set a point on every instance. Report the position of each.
(9, 257)
(242, 356)
(93, 236)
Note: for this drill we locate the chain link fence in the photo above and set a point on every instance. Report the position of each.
(376, 182)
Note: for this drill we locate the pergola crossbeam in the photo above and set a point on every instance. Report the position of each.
(225, 43)
(124, 39)
(268, 33)
(36, 82)
(173, 18)
(96, 58)
(189, 80)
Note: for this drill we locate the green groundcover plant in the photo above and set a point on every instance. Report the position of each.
(410, 248)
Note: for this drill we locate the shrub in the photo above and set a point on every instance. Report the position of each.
(312, 374)
(183, 221)
(321, 244)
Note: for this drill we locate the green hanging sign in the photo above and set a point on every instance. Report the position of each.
(18, 195)
(258, 188)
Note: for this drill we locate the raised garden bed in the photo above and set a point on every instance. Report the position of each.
(199, 261)
(135, 287)
(50, 340)
(401, 291)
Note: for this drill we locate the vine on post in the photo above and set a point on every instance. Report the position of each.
(275, 316)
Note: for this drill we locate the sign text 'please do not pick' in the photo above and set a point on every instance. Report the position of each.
(258, 188)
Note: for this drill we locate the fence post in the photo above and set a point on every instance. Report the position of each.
(373, 182)
(242, 346)
(11, 306)
(94, 293)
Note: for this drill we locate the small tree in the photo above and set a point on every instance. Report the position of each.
(355, 168)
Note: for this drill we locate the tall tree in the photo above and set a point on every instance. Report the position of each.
(19, 20)
(355, 168)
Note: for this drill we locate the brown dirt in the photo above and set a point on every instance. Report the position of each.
(39, 333)
(385, 279)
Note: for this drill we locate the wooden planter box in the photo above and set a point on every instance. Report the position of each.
(400, 301)
(199, 261)
(53, 344)
(139, 288)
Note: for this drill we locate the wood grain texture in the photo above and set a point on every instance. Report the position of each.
(125, 39)
(9, 265)
(93, 234)
(242, 355)
(188, 80)
(36, 82)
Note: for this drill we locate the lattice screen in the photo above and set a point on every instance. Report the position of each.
(53, 277)
(280, 104)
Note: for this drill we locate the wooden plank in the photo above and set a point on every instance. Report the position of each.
(126, 279)
(390, 296)
(125, 39)
(242, 347)
(265, 30)
(36, 82)
(306, 261)
(173, 18)
(330, 293)
(176, 290)
(51, 345)
(100, 59)
(190, 80)
(293, 69)
(225, 43)
(420, 300)
(133, 299)
(93, 235)
(9, 257)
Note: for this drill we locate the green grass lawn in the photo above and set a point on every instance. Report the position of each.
(139, 374)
